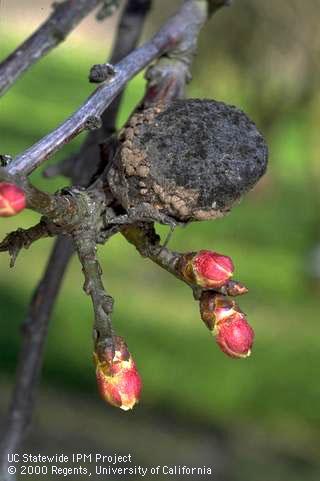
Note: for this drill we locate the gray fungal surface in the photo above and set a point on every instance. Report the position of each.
(191, 160)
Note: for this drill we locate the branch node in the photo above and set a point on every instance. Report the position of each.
(108, 9)
(93, 122)
(5, 160)
(102, 73)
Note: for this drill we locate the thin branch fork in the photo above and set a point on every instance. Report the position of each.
(178, 28)
(89, 156)
(185, 24)
(65, 17)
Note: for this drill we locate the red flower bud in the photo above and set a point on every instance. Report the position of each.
(12, 199)
(235, 336)
(228, 323)
(118, 380)
(206, 268)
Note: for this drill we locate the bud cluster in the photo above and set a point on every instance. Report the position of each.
(212, 272)
(118, 380)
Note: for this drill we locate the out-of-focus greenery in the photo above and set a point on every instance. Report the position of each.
(269, 236)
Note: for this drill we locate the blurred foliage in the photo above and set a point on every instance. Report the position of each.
(262, 57)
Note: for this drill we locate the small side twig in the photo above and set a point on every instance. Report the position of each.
(23, 238)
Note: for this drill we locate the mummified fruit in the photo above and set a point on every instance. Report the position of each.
(191, 160)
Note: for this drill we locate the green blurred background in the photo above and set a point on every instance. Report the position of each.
(252, 419)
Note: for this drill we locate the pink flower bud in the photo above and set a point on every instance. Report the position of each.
(118, 380)
(12, 199)
(212, 269)
(235, 336)
(228, 323)
(206, 268)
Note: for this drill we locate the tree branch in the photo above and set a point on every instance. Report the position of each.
(66, 16)
(23, 238)
(176, 31)
(30, 360)
(85, 243)
(178, 28)
(58, 207)
(89, 156)
(168, 77)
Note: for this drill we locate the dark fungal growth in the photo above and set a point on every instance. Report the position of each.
(191, 160)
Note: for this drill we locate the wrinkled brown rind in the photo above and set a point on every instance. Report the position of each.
(191, 161)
